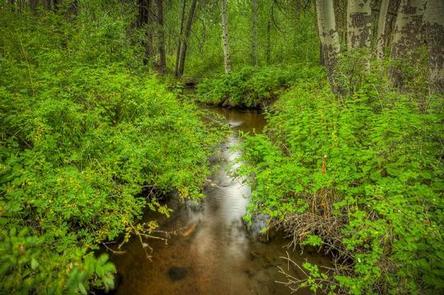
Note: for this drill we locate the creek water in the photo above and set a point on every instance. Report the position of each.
(212, 252)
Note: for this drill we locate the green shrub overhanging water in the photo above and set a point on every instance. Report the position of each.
(82, 136)
(361, 177)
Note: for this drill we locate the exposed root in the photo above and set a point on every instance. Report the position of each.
(318, 220)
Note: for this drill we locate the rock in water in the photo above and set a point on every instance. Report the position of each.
(189, 229)
(177, 273)
(258, 227)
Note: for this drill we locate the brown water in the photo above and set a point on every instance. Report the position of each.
(212, 252)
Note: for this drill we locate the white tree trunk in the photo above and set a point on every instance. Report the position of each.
(359, 24)
(407, 32)
(329, 36)
(225, 40)
(407, 35)
(382, 20)
(434, 22)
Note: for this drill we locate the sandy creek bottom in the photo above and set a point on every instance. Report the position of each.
(213, 254)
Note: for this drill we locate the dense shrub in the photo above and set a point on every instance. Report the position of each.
(82, 139)
(360, 176)
(252, 87)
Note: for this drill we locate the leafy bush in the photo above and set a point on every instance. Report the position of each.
(364, 174)
(251, 87)
(82, 146)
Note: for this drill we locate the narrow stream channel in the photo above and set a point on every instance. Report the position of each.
(213, 254)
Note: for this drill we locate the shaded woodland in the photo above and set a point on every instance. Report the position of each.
(103, 116)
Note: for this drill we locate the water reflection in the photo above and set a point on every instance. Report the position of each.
(213, 253)
(243, 120)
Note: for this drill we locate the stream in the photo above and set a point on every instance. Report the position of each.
(213, 253)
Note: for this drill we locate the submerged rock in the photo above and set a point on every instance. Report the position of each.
(189, 229)
(177, 273)
(258, 228)
(193, 205)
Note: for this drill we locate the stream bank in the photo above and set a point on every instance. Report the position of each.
(213, 253)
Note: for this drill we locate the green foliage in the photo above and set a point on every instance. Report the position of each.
(286, 34)
(379, 155)
(356, 70)
(26, 264)
(313, 240)
(252, 87)
(82, 138)
(314, 277)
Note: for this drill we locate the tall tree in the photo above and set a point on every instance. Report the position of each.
(434, 27)
(225, 40)
(180, 40)
(359, 24)
(390, 22)
(51, 4)
(161, 66)
(340, 7)
(269, 29)
(407, 33)
(184, 42)
(329, 37)
(145, 20)
(33, 4)
(254, 40)
(381, 36)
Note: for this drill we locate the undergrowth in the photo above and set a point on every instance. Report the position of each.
(84, 140)
(252, 87)
(360, 177)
